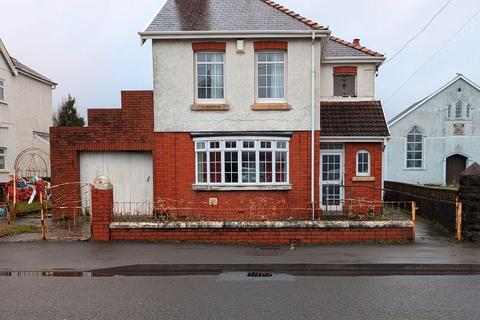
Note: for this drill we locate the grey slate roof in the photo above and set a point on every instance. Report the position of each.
(228, 15)
(335, 49)
(340, 48)
(26, 69)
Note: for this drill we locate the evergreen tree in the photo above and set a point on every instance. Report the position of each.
(67, 116)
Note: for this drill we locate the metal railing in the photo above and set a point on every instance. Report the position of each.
(261, 209)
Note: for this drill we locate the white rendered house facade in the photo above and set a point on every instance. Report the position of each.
(436, 138)
(25, 111)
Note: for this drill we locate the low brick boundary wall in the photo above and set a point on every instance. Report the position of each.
(265, 233)
(239, 232)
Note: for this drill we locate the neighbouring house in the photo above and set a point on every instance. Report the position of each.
(25, 111)
(250, 101)
(436, 138)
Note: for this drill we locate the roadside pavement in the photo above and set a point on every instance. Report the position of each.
(83, 256)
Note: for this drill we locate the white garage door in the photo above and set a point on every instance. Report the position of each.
(131, 174)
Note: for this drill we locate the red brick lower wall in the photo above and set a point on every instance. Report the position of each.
(366, 191)
(174, 171)
(266, 236)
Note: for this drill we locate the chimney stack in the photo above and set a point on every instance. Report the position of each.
(356, 42)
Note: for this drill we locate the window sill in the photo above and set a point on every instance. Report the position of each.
(284, 187)
(414, 169)
(271, 106)
(210, 107)
(363, 179)
(3, 102)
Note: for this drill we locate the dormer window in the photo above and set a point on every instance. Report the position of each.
(344, 81)
(2, 90)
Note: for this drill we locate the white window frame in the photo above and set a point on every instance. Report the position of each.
(422, 167)
(459, 106)
(271, 100)
(369, 161)
(4, 156)
(240, 148)
(211, 100)
(2, 85)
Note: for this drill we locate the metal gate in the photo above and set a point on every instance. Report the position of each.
(66, 216)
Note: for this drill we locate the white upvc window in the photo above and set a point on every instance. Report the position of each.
(210, 77)
(459, 110)
(242, 161)
(2, 90)
(415, 148)
(363, 163)
(3, 158)
(271, 76)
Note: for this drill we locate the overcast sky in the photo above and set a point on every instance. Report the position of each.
(92, 49)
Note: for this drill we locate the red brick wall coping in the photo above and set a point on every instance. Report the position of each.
(261, 224)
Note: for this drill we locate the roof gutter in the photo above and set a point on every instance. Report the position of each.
(234, 34)
(355, 59)
(31, 75)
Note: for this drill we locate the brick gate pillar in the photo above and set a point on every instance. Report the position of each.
(469, 195)
(102, 208)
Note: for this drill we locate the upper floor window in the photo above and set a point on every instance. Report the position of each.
(363, 163)
(210, 76)
(459, 110)
(344, 85)
(415, 148)
(3, 160)
(2, 90)
(271, 76)
(234, 161)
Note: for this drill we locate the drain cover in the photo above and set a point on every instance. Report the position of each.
(259, 274)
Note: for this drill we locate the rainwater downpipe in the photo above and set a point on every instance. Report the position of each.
(312, 187)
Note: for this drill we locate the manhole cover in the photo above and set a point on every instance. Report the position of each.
(259, 274)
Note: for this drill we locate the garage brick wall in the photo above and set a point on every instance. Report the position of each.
(127, 129)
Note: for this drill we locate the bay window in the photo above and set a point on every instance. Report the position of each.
(242, 161)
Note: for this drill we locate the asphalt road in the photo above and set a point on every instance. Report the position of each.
(235, 296)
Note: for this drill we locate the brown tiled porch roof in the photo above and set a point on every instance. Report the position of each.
(352, 119)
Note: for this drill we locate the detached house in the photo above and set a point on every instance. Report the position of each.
(25, 111)
(250, 100)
